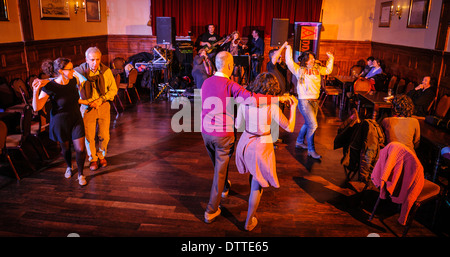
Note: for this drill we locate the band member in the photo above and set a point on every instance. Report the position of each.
(203, 68)
(235, 47)
(257, 53)
(207, 41)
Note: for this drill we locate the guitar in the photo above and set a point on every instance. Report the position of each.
(214, 46)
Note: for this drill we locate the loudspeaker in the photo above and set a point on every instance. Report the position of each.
(165, 30)
(280, 30)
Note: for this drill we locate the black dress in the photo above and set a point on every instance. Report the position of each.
(66, 123)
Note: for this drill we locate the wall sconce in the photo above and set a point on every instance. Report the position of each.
(397, 11)
(77, 6)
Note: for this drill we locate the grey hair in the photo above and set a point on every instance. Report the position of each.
(222, 59)
(92, 49)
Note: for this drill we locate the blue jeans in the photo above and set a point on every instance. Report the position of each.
(309, 109)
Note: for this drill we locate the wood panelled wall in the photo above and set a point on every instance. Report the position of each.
(415, 63)
(19, 60)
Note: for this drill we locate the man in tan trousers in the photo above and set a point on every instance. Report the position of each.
(98, 87)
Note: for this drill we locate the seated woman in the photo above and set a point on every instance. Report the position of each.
(376, 69)
(401, 127)
(422, 96)
(371, 75)
(255, 153)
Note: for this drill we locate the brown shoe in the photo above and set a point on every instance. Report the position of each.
(93, 165)
(102, 162)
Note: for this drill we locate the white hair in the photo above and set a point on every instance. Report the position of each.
(222, 59)
(92, 49)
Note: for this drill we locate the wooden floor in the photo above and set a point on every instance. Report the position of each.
(157, 184)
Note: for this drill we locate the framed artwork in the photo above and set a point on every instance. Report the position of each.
(385, 14)
(418, 13)
(92, 10)
(54, 9)
(3, 11)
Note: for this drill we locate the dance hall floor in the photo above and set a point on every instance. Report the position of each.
(157, 184)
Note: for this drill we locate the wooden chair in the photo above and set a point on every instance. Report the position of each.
(328, 91)
(401, 86)
(392, 83)
(116, 97)
(410, 86)
(16, 141)
(3, 151)
(429, 192)
(355, 71)
(132, 77)
(22, 94)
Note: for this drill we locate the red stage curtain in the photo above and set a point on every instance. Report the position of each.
(231, 15)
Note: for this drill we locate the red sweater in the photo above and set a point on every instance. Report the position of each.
(399, 173)
(219, 97)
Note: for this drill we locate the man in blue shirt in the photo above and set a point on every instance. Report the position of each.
(257, 53)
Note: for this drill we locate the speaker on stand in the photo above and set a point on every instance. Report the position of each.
(280, 30)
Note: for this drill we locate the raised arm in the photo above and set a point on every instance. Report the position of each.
(329, 68)
(293, 67)
(279, 117)
(39, 97)
(277, 53)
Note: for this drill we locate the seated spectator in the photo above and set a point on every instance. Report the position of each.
(376, 69)
(368, 67)
(422, 96)
(373, 74)
(401, 127)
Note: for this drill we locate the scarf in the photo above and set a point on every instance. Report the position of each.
(208, 66)
(96, 82)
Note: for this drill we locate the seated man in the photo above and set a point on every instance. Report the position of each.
(368, 67)
(422, 96)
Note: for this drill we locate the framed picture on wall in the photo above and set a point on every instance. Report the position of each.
(385, 14)
(3, 11)
(92, 10)
(54, 9)
(419, 13)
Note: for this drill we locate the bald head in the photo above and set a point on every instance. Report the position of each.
(225, 63)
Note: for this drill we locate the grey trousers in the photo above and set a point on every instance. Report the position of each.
(220, 150)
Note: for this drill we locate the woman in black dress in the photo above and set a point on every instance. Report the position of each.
(66, 123)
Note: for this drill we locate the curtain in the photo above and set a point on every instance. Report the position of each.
(231, 15)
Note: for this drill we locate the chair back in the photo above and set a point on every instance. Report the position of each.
(392, 82)
(118, 63)
(132, 77)
(25, 121)
(21, 90)
(355, 71)
(3, 135)
(362, 85)
(117, 77)
(409, 87)
(443, 106)
(401, 87)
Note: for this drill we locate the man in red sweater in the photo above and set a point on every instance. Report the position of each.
(219, 95)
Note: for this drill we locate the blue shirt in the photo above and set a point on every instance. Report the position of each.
(374, 71)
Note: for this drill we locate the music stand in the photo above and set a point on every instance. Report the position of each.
(241, 60)
(244, 62)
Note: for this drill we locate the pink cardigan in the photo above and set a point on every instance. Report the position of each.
(399, 173)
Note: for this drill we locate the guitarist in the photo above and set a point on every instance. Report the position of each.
(207, 41)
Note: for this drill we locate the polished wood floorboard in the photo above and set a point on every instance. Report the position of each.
(157, 184)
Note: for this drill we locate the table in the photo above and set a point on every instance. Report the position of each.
(375, 98)
(344, 80)
(435, 138)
